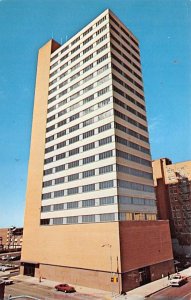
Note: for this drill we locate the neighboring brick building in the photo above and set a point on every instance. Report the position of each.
(173, 191)
(11, 238)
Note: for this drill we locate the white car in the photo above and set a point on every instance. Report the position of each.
(178, 280)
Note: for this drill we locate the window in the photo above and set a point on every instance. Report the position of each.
(87, 31)
(101, 29)
(106, 169)
(74, 96)
(48, 160)
(59, 180)
(46, 196)
(88, 203)
(87, 40)
(88, 146)
(75, 57)
(107, 217)
(103, 91)
(88, 134)
(102, 80)
(106, 184)
(101, 49)
(101, 70)
(104, 102)
(88, 88)
(57, 221)
(124, 200)
(48, 129)
(46, 208)
(59, 193)
(87, 49)
(44, 221)
(88, 160)
(49, 149)
(73, 164)
(73, 191)
(75, 67)
(100, 21)
(60, 156)
(88, 99)
(74, 86)
(59, 134)
(101, 39)
(74, 139)
(88, 68)
(75, 76)
(73, 177)
(47, 172)
(106, 200)
(72, 205)
(88, 173)
(74, 151)
(50, 118)
(104, 127)
(61, 123)
(106, 154)
(72, 220)
(104, 57)
(88, 188)
(88, 219)
(88, 110)
(74, 117)
(47, 183)
(75, 49)
(88, 122)
(88, 78)
(74, 128)
(58, 206)
(75, 41)
(60, 168)
(105, 141)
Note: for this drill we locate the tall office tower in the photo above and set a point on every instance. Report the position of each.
(173, 190)
(90, 205)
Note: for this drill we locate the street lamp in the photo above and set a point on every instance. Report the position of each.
(109, 246)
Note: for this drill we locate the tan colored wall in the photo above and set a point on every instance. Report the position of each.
(3, 234)
(183, 168)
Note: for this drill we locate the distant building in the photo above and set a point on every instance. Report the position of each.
(173, 191)
(11, 238)
(90, 209)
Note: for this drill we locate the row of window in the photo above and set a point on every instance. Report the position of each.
(99, 186)
(122, 200)
(99, 171)
(124, 74)
(78, 38)
(124, 31)
(77, 48)
(85, 100)
(129, 120)
(79, 189)
(129, 108)
(77, 163)
(76, 116)
(129, 131)
(134, 158)
(130, 144)
(77, 84)
(124, 39)
(69, 80)
(109, 217)
(128, 87)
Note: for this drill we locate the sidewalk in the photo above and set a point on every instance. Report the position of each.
(136, 294)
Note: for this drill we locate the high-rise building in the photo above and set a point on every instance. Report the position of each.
(173, 190)
(90, 205)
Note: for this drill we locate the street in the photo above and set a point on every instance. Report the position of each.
(174, 293)
(44, 292)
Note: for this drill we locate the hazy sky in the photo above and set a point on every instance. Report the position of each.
(163, 28)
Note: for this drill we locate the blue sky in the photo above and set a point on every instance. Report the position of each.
(163, 28)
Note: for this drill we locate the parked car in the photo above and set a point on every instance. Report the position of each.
(63, 287)
(7, 280)
(178, 280)
(7, 267)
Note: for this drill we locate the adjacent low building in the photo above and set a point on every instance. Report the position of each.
(173, 192)
(11, 238)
